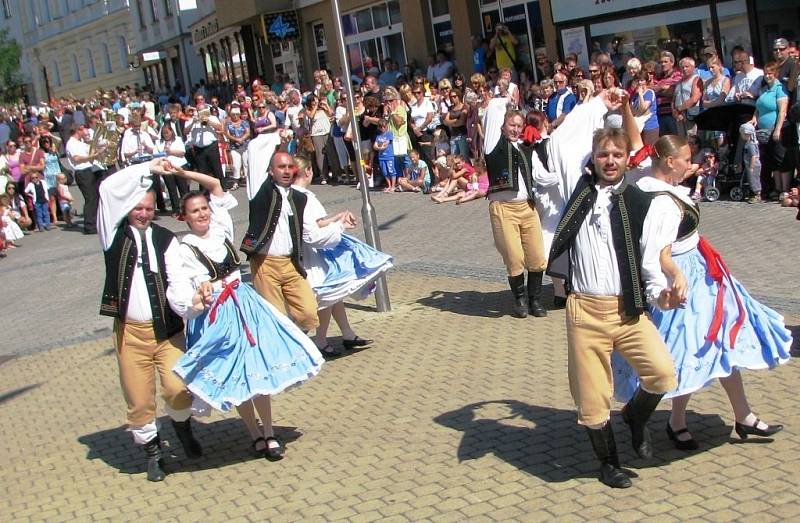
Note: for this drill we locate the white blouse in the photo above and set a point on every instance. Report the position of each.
(212, 245)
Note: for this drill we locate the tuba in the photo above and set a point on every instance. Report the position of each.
(105, 136)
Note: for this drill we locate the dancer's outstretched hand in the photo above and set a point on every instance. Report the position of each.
(203, 297)
(669, 299)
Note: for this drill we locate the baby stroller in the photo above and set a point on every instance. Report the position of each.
(730, 175)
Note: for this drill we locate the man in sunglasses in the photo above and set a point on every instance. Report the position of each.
(787, 67)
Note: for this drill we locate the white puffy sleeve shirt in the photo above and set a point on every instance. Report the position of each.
(595, 269)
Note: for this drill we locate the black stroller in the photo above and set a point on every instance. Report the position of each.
(730, 175)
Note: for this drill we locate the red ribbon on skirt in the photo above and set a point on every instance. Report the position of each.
(719, 272)
(229, 292)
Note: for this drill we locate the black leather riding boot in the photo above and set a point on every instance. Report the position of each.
(155, 463)
(535, 295)
(517, 284)
(636, 413)
(183, 429)
(605, 448)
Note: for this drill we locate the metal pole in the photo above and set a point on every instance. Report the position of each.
(367, 210)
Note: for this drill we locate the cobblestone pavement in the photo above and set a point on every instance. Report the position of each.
(57, 276)
(458, 412)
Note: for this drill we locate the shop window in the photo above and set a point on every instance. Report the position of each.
(777, 19)
(442, 26)
(394, 11)
(439, 8)
(687, 32)
(734, 28)
(524, 21)
(364, 20)
(370, 38)
(321, 46)
(380, 17)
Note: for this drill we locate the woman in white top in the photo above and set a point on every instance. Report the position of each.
(318, 116)
(424, 119)
(348, 269)
(240, 349)
(721, 328)
(175, 149)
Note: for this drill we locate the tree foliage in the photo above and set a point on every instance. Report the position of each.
(10, 52)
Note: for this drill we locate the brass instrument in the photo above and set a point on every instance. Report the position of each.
(108, 137)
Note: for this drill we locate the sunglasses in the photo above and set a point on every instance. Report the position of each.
(780, 49)
(417, 92)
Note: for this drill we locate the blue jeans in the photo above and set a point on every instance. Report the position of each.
(458, 145)
(42, 215)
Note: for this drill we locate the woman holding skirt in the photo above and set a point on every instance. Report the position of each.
(240, 349)
(348, 269)
(721, 329)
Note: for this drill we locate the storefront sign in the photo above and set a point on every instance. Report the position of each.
(281, 26)
(149, 57)
(565, 10)
(574, 41)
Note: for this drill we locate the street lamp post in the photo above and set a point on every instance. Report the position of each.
(367, 210)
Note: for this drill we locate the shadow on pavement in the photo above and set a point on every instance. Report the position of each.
(224, 442)
(548, 443)
(10, 395)
(470, 303)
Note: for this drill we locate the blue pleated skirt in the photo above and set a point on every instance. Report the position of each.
(763, 342)
(350, 271)
(223, 369)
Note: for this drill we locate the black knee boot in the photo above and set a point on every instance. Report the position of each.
(155, 463)
(517, 284)
(636, 413)
(183, 429)
(606, 450)
(535, 295)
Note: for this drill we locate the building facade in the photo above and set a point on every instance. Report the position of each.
(74, 47)
(164, 47)
(411, 31)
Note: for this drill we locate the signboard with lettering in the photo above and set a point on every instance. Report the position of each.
(565, 10)
(281, 26)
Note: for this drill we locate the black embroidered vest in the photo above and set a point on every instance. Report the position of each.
(220, 270)
(120, 265)
(690, 216)
(629, 209)
(503, 165)
(265, 211)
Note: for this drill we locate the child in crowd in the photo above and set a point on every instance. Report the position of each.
(707, 174)
(418, 177)
(9, 229)
(64, 199)
(37, 190)
(383, 144)
(751, 160)
(478, 185)
(460, 172)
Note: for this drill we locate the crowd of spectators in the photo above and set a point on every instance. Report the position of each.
(421, 130)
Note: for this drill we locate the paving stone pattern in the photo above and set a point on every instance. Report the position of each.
(457, 413)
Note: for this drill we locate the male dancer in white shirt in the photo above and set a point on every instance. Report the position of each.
(611, 235)
(142, 271)
(277, 228)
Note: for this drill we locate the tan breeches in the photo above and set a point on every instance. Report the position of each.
(276, 279)
(518, 236)
(139, 357)
(596, 326)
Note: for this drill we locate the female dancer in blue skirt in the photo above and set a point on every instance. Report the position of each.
(349, 269)
(721, 328)
(240, 349)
